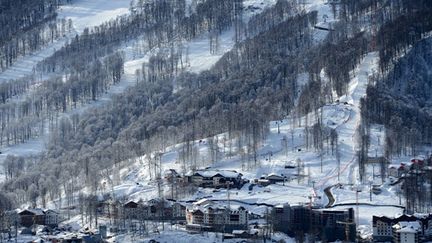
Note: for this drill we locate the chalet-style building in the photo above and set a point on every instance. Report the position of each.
(38, 216)
(274, 178)
(178, 211)
(133, 210)
(328, 225)
(397, 170)
(158, 208)
(406, 232)
(262, 182)
(206, 215)
(387, 229)
(382, 228)
(29, 217)
(215, 178)
(51, 218)
(171, 176)
(154, 209)
(416, 165)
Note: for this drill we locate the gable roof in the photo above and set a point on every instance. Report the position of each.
(33, 211)
(131, 204)
(213, 173)
(50, 211)
(382, 219)
(407, 227)
(275, 176)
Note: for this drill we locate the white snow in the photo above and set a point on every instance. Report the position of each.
(199, 51)
(84, 14)
(181, 236)
(90, 13)
(366, 213)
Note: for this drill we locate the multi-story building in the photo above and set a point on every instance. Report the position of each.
(38, 216)
(215, 178)
(51, 217)
(406, 232)
(206, 215)
(329, 225)
(382, 228)
(154, 209)
(397, 229)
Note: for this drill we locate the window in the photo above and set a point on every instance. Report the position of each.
(234, 218)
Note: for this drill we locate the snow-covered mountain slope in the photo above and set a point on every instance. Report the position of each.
(87, 14)
(90, 13)
(84, 14)
(137, 182)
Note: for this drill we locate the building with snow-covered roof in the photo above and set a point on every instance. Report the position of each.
(210, 216)
(133, 210)
(38, 216)
(215, 178)
(52, 218)
(172, 176)
(294, 219)
(274, 178)
(384, 227)
(406, 232)
(178, 211)
(29, 217)
(154, 209)
(397, 170)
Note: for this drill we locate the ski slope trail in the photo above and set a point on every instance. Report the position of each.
(347, 130)
(90, 13)
(84, 14)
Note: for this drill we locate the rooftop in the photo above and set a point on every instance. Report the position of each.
(212, 173)
(407, 227)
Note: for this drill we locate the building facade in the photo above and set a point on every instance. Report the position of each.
(328, 225)
(406, 232)
(206, 215)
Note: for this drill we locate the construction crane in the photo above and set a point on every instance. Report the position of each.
(347, 228)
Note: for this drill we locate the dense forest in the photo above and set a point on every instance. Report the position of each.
(398, 97)
(27, 26)
(90, 71)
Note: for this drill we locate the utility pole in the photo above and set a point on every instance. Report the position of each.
(310, 213)
(321, 159)
(310, 202)
(357, 205)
